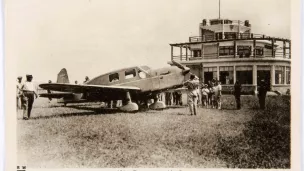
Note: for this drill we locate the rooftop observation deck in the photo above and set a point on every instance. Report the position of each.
(277, 48)
(217, 21)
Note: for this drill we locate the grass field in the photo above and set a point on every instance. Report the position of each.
(86, 136)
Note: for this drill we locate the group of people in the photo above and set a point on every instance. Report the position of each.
(173, 98)
(26, 93)
(212, 92)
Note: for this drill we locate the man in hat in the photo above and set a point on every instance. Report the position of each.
(193, 94)
(29, 91)
(19, 92)
(262, 94)
(86, 79)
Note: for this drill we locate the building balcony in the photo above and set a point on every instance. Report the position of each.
(238, 45)
(215, 56)
(231, 36)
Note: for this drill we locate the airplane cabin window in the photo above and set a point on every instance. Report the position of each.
(114, 77)
(165, 73)
(130, 74)
(142, 74)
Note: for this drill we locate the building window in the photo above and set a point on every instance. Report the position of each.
(230, 35)
(218, 35)
(288, 75)
(114, 77)
(244, 51)
(279, 74)
(226, 75)
(259, 51)
(227, 22)
(197, 53)
(215, 22)
(226, 50)
(209, 74)
(244, 74)
(268, 46)
(130, 74)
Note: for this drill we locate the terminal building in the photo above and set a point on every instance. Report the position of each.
(227, 50)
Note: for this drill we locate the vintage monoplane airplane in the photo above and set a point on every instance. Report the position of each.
(139, 83)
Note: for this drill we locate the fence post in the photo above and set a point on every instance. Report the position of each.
(181, 53)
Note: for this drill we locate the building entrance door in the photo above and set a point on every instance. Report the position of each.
(264, 75)
(208, 76)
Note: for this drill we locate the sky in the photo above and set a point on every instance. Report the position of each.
(92, 37)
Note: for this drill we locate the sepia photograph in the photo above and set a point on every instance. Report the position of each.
(151, 84)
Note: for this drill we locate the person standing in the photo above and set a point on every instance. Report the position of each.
(262, 94)
(218, 95)
(174, 95)
(212, 96)
(168, 96)
(192, 86)
(179, 98)
(205, 93)
(19, 93)
(28, 91)
(237, 94)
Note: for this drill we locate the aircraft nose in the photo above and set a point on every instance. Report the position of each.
(186, 71)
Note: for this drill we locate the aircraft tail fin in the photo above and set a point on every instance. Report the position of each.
(62, 76)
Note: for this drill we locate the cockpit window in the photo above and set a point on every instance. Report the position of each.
(141, 74)
(114, 77)
(130, 73)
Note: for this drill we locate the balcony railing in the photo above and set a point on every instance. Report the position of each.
(278, 54)
(228, 36)
(232, 22)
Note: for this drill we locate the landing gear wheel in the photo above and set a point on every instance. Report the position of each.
(129, 105)
(64, 104)
(157, 105)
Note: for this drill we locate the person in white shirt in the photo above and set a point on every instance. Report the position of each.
(218, 94)
(205, 92)
(192, 86)
(28, 92)
(18, 93)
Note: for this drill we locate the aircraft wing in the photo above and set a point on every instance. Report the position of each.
(57, 95)
(87, 88)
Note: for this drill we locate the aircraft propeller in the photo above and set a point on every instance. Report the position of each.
(184, 68)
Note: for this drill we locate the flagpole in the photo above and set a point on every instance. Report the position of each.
(219, 9)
